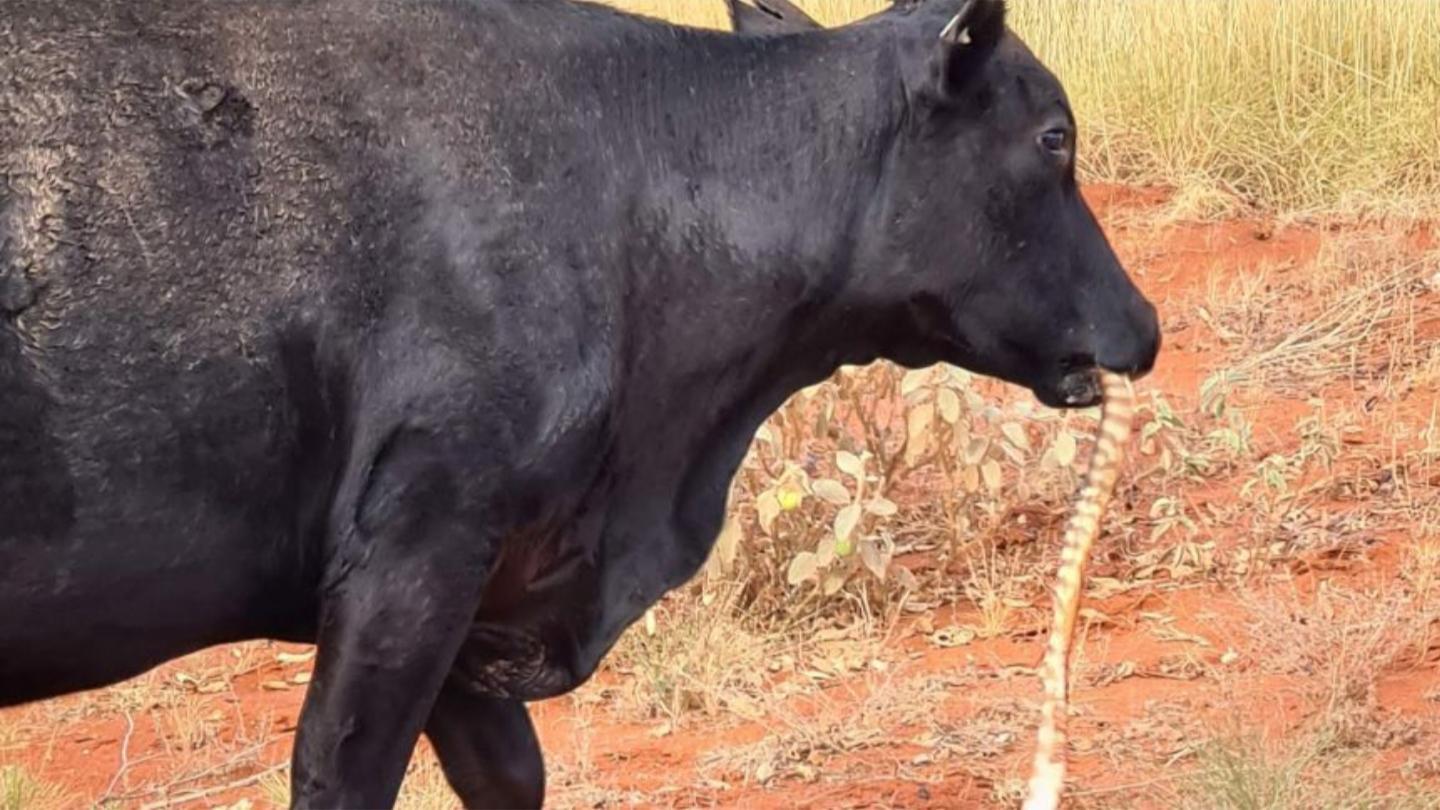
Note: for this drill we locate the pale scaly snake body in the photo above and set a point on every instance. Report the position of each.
(1047, 780)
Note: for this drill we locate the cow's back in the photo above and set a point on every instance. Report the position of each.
(216, 171)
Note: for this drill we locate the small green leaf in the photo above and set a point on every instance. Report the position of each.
(990, 472)
(802, 568)
(825, 552)
(846, 521)
(850, 464)
(913, 380)
(977, 449)
(1065, 448)
(970, 478)
(767, 508)
(883, 507)
(831, 490)
(917, 427)
(874, 558)
(1016, 435)
(948, 403)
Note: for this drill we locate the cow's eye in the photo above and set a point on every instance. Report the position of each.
(1055, 141)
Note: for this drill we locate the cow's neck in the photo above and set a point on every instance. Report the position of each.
(750, 209)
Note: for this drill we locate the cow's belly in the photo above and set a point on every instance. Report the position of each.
(104, 603)
(141, 546)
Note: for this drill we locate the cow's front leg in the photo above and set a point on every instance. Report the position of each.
(487, 748)
(409, 577)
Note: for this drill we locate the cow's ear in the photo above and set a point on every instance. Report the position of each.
(963, 45)
(769, 17)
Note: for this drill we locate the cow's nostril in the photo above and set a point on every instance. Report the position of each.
(1077, 362)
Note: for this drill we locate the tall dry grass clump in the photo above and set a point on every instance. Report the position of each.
(702, 13)
(1291, 106)
(712, 14)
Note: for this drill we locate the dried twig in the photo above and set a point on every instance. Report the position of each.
(186, 798)
(124, 758)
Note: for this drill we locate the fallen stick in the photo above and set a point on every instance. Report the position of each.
(196, 795)
(1047, 780)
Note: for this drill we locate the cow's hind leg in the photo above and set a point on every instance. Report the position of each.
(406, 582)
(487, 748)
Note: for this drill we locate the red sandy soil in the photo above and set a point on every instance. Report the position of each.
(217, 717)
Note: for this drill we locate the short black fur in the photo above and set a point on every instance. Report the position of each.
(433, 331)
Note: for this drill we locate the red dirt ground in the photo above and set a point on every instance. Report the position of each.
(217, 719)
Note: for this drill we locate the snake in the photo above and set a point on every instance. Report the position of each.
(1047, 780)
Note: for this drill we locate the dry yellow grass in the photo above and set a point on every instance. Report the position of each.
(21, 791)
(1291, 104)
(711, 13)
(1354, 315)
(1297, 106)
(685, 12)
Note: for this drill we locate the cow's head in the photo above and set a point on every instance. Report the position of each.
(979, 245)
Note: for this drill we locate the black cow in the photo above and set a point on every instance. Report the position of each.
(432, 331)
